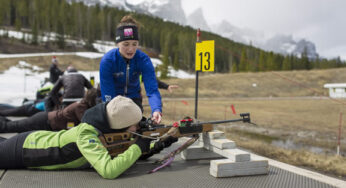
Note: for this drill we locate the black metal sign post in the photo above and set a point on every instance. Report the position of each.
(196, 88)
(204, 56)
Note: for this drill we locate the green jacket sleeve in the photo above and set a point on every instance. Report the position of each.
(97, 155)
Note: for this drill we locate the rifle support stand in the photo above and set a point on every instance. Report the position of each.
(237, 163)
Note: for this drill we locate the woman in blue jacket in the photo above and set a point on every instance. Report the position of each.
(120, 69)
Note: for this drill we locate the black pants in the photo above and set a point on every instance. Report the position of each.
(38, 121)
(6, 107)
(25, 110)
(11, 151)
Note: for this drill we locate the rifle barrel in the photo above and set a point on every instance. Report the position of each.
(218, 122)
(245, 118)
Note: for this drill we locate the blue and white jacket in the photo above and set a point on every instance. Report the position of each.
(117, 77)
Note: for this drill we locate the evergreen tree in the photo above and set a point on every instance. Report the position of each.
(338, 62)
(60, 35)
(286, 65)
(235, 64)
(277, 62)
(270, 62)
(305, 60)
(243, 66)
(90, 23)
(262, 61)
(176, 60)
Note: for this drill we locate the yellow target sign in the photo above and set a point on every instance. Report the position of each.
(205, 56)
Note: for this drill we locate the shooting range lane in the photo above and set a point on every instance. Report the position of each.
(181, 173)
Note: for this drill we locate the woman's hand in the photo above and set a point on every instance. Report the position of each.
(171, 87)
(157, 116)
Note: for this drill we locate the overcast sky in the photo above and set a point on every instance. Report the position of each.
(320, 21)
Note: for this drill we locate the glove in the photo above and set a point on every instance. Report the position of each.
(169, 141)
(159, 146)
(144, 144)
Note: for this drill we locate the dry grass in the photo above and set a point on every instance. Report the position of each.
(275, 84)
(309, 114)
(332, 165)
(44, 62)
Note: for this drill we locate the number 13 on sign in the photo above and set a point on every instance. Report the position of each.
(205, 56)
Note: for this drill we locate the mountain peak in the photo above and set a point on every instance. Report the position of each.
(172, 10)
(196, 19)
(167, 9)
(285, 44)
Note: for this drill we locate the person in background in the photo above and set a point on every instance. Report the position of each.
(54, 71)
(55, 120)
(43, 92)
(120, 69)
(79, 146)
(73, 83)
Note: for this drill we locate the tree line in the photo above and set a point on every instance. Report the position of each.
(176, 43)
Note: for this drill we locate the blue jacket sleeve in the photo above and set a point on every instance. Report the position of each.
(150, 85)
(106, 79)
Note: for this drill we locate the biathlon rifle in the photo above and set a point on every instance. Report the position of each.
(117, 143)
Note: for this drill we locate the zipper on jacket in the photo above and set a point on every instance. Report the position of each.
(127, 76)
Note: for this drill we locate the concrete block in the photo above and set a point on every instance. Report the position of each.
(198, 152)
(2, 172)
(236, 155)
(216, 134)
(219, 143)
(241, 172)
(227, 164)
(229, 168)
(8, 135)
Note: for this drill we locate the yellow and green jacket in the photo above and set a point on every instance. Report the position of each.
(78, 147)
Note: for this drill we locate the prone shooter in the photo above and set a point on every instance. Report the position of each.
(164, 135)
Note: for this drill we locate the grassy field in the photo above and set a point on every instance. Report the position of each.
(267, 84)
(44, 62)
(294, 120)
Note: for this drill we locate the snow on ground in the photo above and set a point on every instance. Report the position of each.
(90, 55)
(19, 82)
(36, 54)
